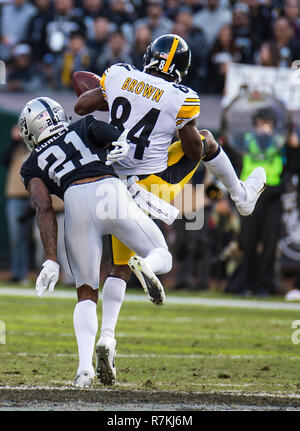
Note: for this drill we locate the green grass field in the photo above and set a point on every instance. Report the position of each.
(174, 347)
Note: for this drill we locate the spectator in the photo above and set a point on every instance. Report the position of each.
(155, 19)
(260, 232)
(5, 51)
(195, 38)
(261, 17)
(77, 56)
(211, 19)
(24, 74)
(36, 36)
(15, 18)
(102, 30)
(287, 44)
(224, 231)
(192, 253)
(268, 55)
(195, 5)
(91, 10)
(223, 52)
(121, 12)
(116, 51)
(142, 41)
(172, 7)
(291, 11)
(18, 204)
(66, 19)
(243, 35)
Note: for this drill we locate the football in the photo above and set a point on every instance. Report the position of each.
(83, 81)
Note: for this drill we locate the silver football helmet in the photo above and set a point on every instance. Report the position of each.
(41, 118)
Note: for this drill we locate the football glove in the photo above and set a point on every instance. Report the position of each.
(120, 151)
(48, 277)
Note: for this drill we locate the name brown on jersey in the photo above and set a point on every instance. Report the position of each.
(140, 87)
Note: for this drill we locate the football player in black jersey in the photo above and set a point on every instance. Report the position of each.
(70, 161)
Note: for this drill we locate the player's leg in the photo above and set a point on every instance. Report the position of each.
(178, 173)
(169, 183)
(113, 291)
(140, 233)
(84, 250)
(85, 322)
(244, 193)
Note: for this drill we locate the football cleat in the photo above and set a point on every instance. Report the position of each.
(105, 361)
(150, 283)
(293, 295)
(254, 185)
(83, 380)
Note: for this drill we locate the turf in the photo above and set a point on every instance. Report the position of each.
(174, 347)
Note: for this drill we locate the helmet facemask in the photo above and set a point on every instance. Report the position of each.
(41, 118)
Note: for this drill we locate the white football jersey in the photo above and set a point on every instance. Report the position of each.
(151, 108)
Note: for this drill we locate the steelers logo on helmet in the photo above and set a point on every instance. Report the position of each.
(168, 54)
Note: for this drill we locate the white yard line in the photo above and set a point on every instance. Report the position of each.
(172, 300)
(68, 388)
(153, 355)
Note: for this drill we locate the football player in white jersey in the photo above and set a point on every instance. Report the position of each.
(152, 104)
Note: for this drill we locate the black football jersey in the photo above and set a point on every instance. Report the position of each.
(75, 153)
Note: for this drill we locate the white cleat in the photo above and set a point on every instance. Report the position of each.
(151, 284)
(83, 380)
(254, 185)
(293, 295)
(105, 361)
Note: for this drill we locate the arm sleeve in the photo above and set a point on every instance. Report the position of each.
(102, 133)
(189, 110)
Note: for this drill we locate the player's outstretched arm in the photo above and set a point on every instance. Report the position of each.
(46, 221)
(90, 101)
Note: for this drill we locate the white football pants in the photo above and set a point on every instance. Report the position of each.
(99, 208)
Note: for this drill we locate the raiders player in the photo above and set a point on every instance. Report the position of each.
(152, 105)
(69, 160)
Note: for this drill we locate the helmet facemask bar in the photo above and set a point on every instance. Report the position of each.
(28, 138)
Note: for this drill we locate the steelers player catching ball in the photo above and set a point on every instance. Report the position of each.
(152, 105)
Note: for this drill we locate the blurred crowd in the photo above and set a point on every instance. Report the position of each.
(44, 41)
